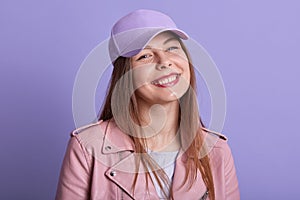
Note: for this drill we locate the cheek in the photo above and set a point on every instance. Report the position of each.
(185, 78)
(188, 74)
(186, 71)
(182, 56)
(141, 76)
(183, 62)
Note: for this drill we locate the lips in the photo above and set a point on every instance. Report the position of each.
(166, 81)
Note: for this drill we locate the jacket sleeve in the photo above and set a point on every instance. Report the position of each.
(75, 174)
(231, 182)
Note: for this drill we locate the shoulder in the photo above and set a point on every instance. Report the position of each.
(214, 133)
(103, 137)
(88, 137)
(223, 168)
(214, 139)
(90, 131)
(217, 144)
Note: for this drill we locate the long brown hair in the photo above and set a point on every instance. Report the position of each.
(190, 127)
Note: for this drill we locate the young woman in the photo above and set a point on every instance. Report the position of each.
(149, 142)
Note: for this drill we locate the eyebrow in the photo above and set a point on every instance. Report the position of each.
(165, 42)
(170, 39)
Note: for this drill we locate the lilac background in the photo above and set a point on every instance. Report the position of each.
(254, 43)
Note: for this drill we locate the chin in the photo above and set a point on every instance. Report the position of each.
(173, 97)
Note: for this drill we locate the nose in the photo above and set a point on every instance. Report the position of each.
(163, 66)
(163, 61)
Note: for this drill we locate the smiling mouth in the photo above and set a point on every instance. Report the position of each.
(166, 81)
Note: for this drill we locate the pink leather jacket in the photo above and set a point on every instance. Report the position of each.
(99, 166)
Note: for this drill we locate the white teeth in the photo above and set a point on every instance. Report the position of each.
(166, 80)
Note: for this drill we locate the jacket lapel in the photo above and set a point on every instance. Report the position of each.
(182, 191)
(123, 169)
(123, 174)
(119, 147)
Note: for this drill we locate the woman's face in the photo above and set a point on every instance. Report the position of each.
(161, 70)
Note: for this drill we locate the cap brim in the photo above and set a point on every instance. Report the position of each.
(132, 42)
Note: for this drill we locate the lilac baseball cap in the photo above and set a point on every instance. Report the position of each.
(131, 33)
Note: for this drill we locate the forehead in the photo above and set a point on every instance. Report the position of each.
(162, 37)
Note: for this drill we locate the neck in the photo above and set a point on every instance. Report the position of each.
(163, 120)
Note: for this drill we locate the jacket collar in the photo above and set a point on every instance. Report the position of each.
(115, 140)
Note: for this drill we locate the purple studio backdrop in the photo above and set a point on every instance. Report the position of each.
(255, 45)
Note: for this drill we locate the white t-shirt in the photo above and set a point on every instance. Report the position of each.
(166, 160)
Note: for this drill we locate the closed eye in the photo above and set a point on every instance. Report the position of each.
(145, 56)
(172, 48)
